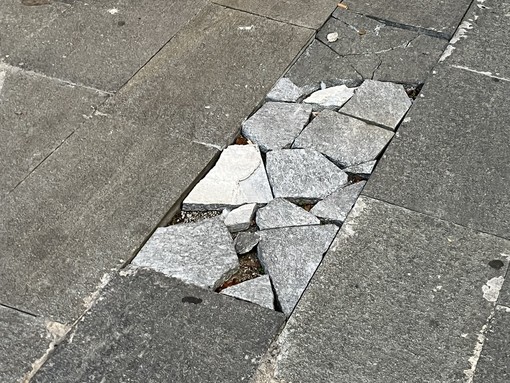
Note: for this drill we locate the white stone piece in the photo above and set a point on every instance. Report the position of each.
(381, 103)
(286, 91)
(237, 178)
(199, 253)
(303, 175)
(290, 256)
(240, 218)
(332, 37)
(336, 206)
(330, 98)
(258, 291)
(282, 213)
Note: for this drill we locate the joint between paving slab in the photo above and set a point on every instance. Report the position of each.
(18, 310)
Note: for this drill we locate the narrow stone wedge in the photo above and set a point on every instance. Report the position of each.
(330, 98)
(336, 206)
(258, 291)
(282, 213)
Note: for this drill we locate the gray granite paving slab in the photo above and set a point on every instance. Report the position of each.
(494, 363)
(18, 22)
(300, 12)
(390, 291)
(440, 17)
(451, 159)
(364, 170)
(330, 98)
(25, 339)
(319, 63)
(245, 242)
(335, 207)
(147, 327)
(480, 44)
(381, 52)
(238, 178)
(276, 124)
(282, 213)
(87, 209)
(36, 115)
(258, 291)
(211, 75)
(200, 253)
(103, 43)
(290, 256)
(286, 91)
(240, 218)
(302, 175)
(380, 103)
(344, 140)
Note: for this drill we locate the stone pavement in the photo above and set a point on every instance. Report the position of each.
(110, 113)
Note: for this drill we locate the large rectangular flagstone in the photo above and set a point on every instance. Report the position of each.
(311, 14)
(102, 43)
(451, 158)
(87, 209)
(150, 328)
(36, 115)
(399, 297)
(212, 75)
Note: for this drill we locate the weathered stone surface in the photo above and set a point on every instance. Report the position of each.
(302, 175)
(240, 218)
(345, 140)
(199, 253)
(317, 64)
(245, 242)
(451, 158)
(258, 291)
(330, 98)
(103, 44)
(237, 178)
(276, 124)
(36, 115)
(290, 256)
(228, 68)
(285, 91)
(381, 103)
(381, 52)
(300, 12)
(146, 327)
(335, 207)
(282, 213)
(441, 17)
(386, 300)
(24, 340)
(494, 363)
(364, 170)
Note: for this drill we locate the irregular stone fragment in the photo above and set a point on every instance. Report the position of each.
(381, 103)
(336, 206)
(276, 124)
(199, 253)
(240, 219)
(345, 140)
(285, 91)
(330, 98)
(258, 291)
(303, 175)
(245, 242)
(282, 213)
(290, 256)
(237, 178)
(363, 170)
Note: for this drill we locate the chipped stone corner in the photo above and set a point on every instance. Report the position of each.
(492, 288)
(89, 301)
(266, 372)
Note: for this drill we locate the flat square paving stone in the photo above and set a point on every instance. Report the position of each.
(299, 12)
(494, 363)
(149, 328)
(451, 157)
(439, 17)
(36, 115)
(211, 75)
(399, 297)
(87, 209)
(480, 44)
(25, 339)
(379, 51)
(102, 44)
